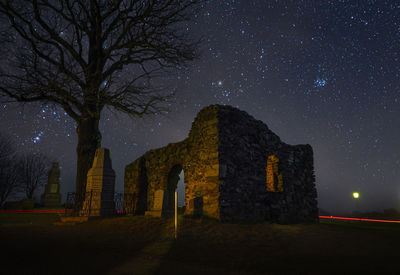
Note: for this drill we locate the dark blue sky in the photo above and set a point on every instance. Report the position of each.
(324, 73)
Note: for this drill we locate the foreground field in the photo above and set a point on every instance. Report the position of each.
(31, 244)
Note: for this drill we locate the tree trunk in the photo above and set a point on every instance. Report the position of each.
(89, 139)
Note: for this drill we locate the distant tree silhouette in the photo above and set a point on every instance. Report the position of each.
(33, 172)
(83, 55)
(9, 169)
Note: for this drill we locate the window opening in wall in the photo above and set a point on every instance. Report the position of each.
(274, 178)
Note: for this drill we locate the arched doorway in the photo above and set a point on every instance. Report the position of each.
(176, 182)
(181, 189)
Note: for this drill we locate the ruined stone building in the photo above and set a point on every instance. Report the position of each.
(235, 169)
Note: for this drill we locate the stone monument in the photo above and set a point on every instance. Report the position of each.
(159, 204)
(51, 196)
(100, 186)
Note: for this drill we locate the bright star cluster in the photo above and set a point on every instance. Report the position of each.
(319, 72)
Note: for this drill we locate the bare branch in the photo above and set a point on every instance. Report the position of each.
(84, 55)
(33, 167)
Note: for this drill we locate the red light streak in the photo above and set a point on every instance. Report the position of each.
(120, 211)
(42, 211)
(356, 219)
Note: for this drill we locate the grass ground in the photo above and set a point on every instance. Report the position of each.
(31, 244)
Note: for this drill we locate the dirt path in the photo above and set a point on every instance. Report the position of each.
(147, 261)
(149, 258)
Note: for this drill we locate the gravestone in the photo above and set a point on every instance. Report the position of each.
(197, 205)
(159, 204)
(100, 186)
(51, 196)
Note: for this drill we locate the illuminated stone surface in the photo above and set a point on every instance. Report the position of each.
(160, 203)
(51, 196)
(274, 178)
(100, 186)
(235, 169)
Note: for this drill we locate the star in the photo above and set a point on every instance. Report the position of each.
(320, 82)
(273, 60)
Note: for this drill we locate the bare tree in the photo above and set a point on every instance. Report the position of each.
(84, 55)
(7, 149)
(33, 172)
(9, 181)
(9, 169)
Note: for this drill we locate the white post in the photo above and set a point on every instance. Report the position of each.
(176, 215)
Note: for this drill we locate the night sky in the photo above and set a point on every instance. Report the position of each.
(324, 73)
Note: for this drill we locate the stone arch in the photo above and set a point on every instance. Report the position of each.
(172, 184)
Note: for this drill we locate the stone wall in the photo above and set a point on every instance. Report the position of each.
(197, 156)
(246, 145)
(226, 160)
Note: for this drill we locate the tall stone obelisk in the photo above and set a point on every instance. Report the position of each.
(51, 196)
(100, 186)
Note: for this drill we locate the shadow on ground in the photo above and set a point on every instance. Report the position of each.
(142, 245)
(95, 247)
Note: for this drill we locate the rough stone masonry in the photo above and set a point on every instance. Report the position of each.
(235, 169)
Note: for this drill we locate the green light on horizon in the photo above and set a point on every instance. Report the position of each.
(356, 195)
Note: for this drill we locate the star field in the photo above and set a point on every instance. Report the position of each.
(324, 73)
